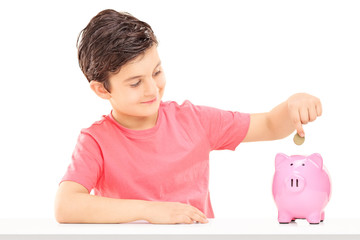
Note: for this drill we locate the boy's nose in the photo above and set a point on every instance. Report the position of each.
(151, 88)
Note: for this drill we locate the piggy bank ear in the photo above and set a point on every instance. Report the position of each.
(316, 157)
(280, 158)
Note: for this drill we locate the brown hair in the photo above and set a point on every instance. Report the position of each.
(110, 40)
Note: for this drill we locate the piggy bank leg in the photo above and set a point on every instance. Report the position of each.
(314, 218)
(322, 216)
(284, 217)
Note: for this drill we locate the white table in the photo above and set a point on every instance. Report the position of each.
(216, 229)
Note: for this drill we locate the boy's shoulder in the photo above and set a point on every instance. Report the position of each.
(99, 125)
(174, 105)
(184, 112)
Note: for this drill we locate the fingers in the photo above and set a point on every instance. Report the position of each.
(198, 212)
(187, 220)
(193, 214)
(173, 213)
(304, 115)
(303, 111)
(199, 218)
(193, 218)
(312, 114)
(318, 109)
(295, 115)
(309, 113)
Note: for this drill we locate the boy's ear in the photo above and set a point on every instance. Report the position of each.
(100, 90)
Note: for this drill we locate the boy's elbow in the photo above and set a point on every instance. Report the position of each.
(68, 210)
(59, 211)
(64, 208)
(60, 219)
(66, 203)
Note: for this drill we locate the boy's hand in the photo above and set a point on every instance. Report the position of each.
(303, 108)
(173, 212)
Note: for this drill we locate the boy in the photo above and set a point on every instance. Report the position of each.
(148, 159)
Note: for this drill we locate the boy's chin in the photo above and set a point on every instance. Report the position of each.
(147, 110)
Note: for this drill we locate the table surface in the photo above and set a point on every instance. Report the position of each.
(215, 227)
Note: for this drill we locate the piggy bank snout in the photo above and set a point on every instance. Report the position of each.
(295, 183)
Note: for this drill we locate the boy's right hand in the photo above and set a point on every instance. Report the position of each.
(173, 212)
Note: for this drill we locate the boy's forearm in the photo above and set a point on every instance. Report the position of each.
(279, 121)
(86, 208)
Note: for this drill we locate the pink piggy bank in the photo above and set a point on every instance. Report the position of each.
(301, 187)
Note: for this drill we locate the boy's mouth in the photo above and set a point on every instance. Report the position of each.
(151, 101)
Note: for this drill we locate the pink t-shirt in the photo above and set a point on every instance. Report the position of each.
(169, 162)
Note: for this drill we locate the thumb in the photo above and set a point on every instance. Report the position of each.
(300, 130)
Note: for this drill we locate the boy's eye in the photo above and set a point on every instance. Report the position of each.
(135, 84)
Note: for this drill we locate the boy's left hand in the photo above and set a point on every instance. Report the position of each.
(303, 108)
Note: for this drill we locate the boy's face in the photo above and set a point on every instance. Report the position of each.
(136, 90)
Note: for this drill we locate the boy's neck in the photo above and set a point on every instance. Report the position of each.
(135, 123)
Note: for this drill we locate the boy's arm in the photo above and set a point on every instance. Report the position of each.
(281, 121)
(74, 204)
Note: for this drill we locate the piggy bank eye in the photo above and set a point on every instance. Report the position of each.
(291, 164)
(303, 164)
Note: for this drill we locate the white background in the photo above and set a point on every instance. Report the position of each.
(246, 56)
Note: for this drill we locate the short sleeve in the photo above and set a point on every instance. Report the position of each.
(87, 162)
(225, 129)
